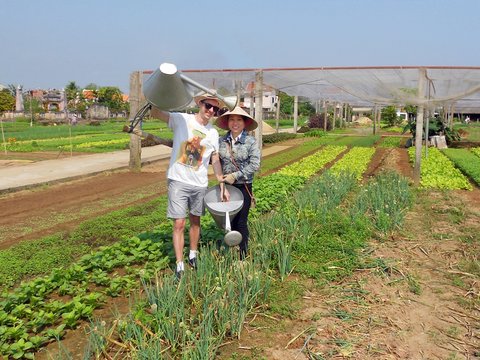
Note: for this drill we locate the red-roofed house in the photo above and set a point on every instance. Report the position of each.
(89, 94)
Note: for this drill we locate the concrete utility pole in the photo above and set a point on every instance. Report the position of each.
(134, 99)
(252, 101)
(325, 115)
(295, 114)
(335, 111)
(277, 114)
(238, 88)
(379, 117)
(452, 114)
(31, 111)
(19, 99)
(341, 113)
(422, 75)
(259, 106)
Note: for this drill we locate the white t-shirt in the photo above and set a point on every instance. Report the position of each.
(193, 144)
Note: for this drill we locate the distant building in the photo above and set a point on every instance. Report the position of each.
(53, 100)
(362, 113)
(98, 112)
(269, 101)
(37, 94)
(89, 94)
(19, 99)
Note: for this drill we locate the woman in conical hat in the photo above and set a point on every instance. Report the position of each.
(240, 159)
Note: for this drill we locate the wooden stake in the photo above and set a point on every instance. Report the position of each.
(135, 164)
(3, 137)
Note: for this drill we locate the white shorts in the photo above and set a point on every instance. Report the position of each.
(183, 199)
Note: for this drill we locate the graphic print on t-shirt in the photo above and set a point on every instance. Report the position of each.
(191, 151)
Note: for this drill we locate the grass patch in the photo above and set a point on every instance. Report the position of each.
(414, 285)
(471, 131)
(339, 140)
(33, 258)
(38, 257)
(107, 136)
(273, 162)
(391, 142)
(284, 297)
(286, 123)
(332, 252)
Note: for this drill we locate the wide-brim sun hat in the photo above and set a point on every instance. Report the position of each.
(206, 96)
(250, 123)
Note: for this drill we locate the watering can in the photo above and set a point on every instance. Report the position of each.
(168, 89)
(223, 212)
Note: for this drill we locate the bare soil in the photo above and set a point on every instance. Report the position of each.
(32, 214)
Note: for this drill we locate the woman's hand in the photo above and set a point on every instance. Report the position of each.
(229, 179)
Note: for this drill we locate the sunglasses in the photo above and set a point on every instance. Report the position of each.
(208, 106)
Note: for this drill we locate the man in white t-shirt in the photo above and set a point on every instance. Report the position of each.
(195, 141)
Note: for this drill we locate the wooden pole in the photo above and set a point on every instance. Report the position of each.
(259, 106)
(375, 115)
(135, 163)
(422, 74)
(295, 114)
(3, 137)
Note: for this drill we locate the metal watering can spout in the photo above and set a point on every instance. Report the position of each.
(223, 212)
(232, 238)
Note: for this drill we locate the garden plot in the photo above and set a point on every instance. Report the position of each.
(186, 336)
(69, 289)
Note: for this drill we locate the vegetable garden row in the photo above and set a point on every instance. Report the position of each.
(308, 223)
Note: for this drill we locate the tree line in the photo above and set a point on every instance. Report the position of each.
(77, 100)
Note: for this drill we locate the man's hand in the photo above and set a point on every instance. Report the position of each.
(229, 178)
(224, 193)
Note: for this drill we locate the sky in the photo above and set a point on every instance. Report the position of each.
(47, 44)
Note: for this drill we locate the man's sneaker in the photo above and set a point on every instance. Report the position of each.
(178, 274)
(193, 262)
